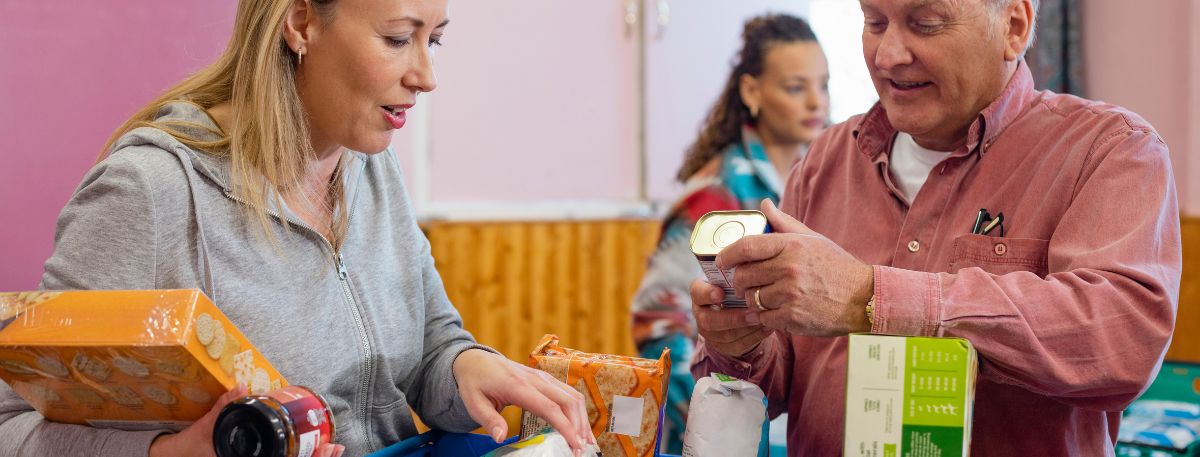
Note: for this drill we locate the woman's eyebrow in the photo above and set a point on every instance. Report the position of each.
(416, 22)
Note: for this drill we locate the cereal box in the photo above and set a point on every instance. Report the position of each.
(909, 396)
(625, 395)
(135, 360)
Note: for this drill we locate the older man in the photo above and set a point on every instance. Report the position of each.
(1070, 300)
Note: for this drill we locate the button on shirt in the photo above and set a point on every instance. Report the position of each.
(1071, 311)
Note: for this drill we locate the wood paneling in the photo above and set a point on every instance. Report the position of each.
(1185, 345)
(516, 281)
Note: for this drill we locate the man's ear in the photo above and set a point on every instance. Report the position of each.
(1018, 24)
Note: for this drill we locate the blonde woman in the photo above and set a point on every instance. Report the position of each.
(266, 181)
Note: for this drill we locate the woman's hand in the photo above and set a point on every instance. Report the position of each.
(197, 439)
(488, 382)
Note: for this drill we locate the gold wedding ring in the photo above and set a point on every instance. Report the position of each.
(758, 299)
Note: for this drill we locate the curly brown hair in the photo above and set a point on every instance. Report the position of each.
(723, 125)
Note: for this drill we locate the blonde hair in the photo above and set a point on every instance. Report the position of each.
(269, 147)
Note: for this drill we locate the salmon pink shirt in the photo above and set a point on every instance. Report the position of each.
(1071, 309)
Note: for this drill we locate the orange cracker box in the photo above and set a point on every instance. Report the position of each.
(135, 360)
(625, 395)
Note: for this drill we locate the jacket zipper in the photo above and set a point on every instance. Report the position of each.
(368, 368)
(343, 278)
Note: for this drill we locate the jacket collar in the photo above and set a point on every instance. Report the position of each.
(191, 119)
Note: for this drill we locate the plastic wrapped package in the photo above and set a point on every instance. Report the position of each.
(133, 360)
(1169, 424)
(624, 395)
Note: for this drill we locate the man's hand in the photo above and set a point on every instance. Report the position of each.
(731, 331)
(807, 284)
(488, 382)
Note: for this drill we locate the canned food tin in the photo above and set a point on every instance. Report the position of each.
(290, 422)
(716, 230)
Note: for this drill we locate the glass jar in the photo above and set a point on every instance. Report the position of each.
(290, 422)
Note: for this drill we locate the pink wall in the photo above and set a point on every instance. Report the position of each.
(70, 73)
(1146, 57)
(509, 117)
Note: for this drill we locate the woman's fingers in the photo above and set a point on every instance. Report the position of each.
(330, 450)
(483, 411)
(542, 406)
(239, 391)
(568, 399)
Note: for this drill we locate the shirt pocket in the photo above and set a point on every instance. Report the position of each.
(997, 255)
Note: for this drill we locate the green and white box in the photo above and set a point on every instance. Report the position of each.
(909, 396)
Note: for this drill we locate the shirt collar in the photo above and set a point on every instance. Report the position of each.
(874, 133)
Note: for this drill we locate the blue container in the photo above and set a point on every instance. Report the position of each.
(436, 443)
(1176, 381)
(443, 444)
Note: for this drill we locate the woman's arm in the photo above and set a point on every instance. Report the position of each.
(435, 394)
(105, 240)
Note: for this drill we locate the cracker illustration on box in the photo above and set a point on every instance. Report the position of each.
(90, 367)
(130, 367)
(50, 366)
(159, 395)
(125, 359)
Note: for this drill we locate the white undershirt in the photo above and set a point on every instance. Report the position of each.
(910, 164)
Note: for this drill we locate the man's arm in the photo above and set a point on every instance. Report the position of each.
(1093, 332)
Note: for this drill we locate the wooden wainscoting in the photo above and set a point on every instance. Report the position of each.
(516, 281)
(1185, 346)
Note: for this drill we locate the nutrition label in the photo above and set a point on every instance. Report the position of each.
(717, 277)
(908, 396)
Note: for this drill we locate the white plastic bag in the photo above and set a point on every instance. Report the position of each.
(725, 418)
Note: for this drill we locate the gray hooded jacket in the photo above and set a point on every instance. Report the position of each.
(369, 327)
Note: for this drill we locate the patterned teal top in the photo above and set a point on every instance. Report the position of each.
(662, 307)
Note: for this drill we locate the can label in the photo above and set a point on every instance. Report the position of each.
(716, 230)
(720, 278)
(311, 417)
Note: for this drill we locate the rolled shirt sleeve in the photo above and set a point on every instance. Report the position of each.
(1093, 331)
